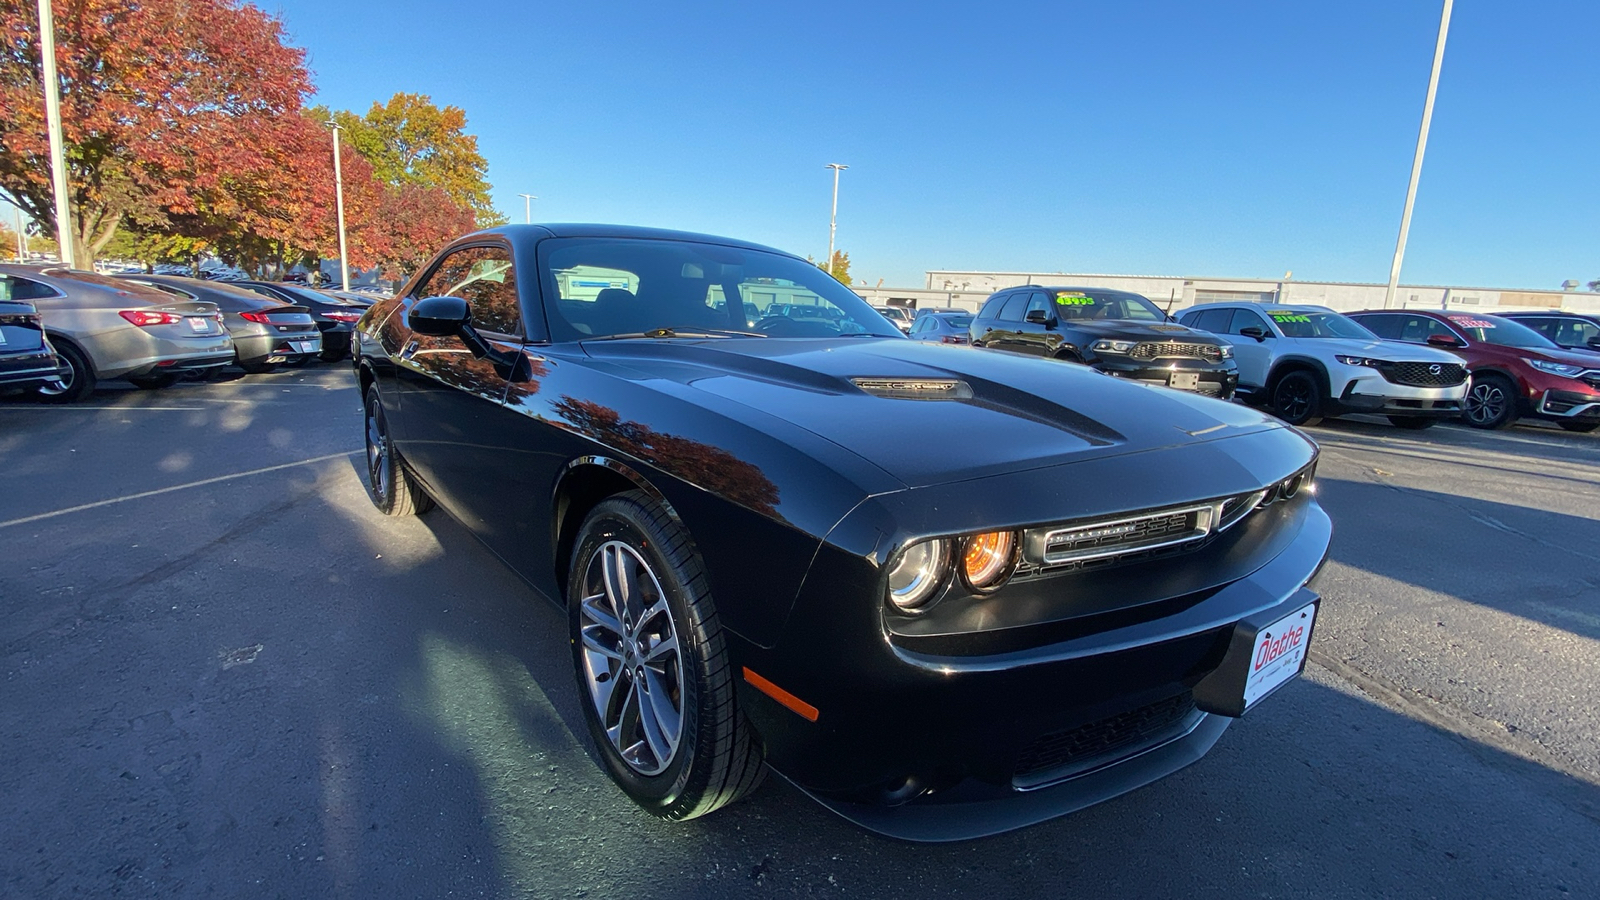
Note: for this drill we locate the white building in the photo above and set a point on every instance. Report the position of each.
(968, 290)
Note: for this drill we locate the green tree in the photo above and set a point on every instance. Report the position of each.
(840, 267)
(409, 140)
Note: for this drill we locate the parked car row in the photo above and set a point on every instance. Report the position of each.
(1304, 363)
(150, 330)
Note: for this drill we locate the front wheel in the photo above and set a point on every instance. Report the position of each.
(389, 485)
(1297, 399)
(76, 380)
(1414, 423)
(1579, 427)
(1491, 402)
(650, 661)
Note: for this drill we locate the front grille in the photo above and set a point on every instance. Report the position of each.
(1416, 374)
(1176, 350)
(1055, 755)
(1094, 540)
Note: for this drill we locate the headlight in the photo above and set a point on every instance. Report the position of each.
(1112, 346)
(1227, 351)
(1555, 368)
(918, 573)
(1359, 361)
(987, 560)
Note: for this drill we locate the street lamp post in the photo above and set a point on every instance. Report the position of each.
(1416, 161)
(527, 207)
(52, 114)
(22, 238)
(833, 218)
(338, 198)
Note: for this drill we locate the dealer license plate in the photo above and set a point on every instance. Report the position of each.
(1184, 381)
(1280, 653)
(305, 346)
(199, 325)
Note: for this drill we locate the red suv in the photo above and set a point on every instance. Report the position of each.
(1515, 370)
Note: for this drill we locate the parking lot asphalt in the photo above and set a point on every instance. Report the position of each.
(222, 673)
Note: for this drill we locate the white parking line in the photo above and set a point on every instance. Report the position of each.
(177, 487)
(118, 408)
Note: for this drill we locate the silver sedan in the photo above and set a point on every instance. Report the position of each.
(103, 328)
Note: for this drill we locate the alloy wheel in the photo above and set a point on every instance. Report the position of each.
(631, 662)
(1486, 403)
(1294, 399)
(378, 471)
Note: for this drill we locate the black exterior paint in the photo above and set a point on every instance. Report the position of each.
(798, 487)
(26, 360)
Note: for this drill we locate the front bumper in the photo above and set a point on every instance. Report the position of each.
(1557, 404)
(1369, 392)
(917, 741)
(1211, 379)
(27, 369)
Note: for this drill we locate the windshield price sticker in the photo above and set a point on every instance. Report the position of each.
(1470, 322)
(1072, 298)
(1291, 317)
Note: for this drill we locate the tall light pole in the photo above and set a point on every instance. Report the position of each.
(1416, 161)
(52, 115)
(22, 238)
(338, 187)
(833, 218)
(527, 207)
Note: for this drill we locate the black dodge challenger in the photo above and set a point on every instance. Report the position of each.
(946, 593)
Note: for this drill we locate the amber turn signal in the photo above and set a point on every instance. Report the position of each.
(987, 560)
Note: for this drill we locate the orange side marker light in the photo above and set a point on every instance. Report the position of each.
(794, 704)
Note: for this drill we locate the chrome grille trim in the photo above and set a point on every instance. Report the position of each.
(1115, 537)
(1175, 350)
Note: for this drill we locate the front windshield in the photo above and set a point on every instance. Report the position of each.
(1504, 332)
(1108, 305)
(601, 287)
(1313, 324)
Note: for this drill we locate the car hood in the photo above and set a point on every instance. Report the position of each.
(1142, 331)
(997, 412)
(1394, 351)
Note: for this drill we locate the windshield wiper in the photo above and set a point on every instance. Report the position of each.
(863, 334)
(675, 332)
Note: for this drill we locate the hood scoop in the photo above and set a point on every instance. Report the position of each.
(915, 388)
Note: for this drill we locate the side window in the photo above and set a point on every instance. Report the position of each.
(14, 288)
(484, 277)
(1212, 320)
(1015, 304)
(1038, 300)
(991, 307)
(1578, 332)
(1387, 327)
(1247, 318)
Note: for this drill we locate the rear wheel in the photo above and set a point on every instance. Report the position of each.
(389, 485)
(651, 664)
(1491, 402)
(76, 380)
(1415, 423)
(153, 381)
(1297, 399)
(1579, 427)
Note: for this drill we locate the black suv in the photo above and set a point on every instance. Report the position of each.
(1118, 332)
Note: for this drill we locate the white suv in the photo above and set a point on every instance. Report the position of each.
(1306, 362)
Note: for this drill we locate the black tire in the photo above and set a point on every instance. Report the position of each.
(1491, 402)
(716, 758)
(257, 368)
(154, 381)
(389, 484)
(1414, 423)
(1297, 398)
(78, 378)
(1578, 427)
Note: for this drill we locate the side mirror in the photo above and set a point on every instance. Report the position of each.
(1594, 343)
(448, 317)
(1444, 340)
(440, 316)
(1257, 332)
(1038, 317)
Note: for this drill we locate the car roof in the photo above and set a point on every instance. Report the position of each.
(200, 287)
(581, 229)
(1112, 292)
(1263, 307)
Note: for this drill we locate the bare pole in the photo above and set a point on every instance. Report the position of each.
(833, 218)
(527, 207)
(52, 115)
(338, 185)
(1416, 161)
(22, 237)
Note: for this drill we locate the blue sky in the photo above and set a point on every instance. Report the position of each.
(1219, 138)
